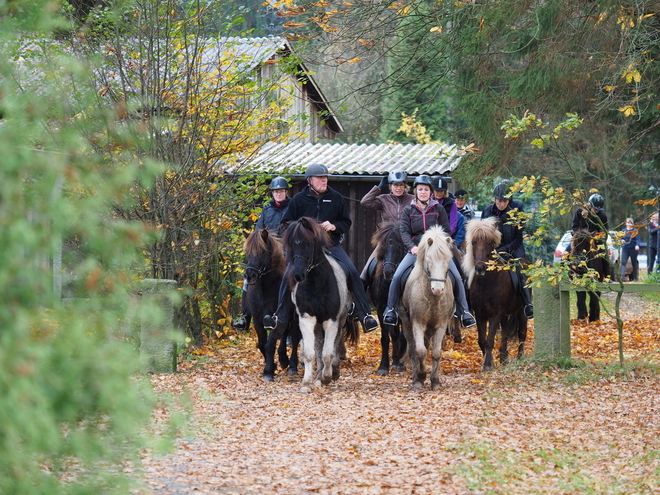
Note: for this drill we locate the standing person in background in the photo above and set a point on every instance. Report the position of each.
(389, 198)
(461, 197)
(653, 241)
(511, 246)
(630, 249)
(271, 219)
(319, 201)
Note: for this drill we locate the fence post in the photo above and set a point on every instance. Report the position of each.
(552, 326)
(157, 347)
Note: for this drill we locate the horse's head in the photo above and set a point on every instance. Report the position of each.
(482, 239)
(390, 249)
(583, 250)
(305, 240)
(263, 254)
(433, 256)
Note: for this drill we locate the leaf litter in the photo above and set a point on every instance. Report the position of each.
(520, 429)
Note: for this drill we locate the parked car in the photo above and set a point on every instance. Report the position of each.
(613, 250)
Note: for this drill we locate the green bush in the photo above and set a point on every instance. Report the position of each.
(71, 411)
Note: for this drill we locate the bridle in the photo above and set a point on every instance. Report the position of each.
(308, 261)
(260, 272)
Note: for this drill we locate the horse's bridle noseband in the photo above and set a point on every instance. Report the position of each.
(428, 274)
(264, 270)
(310, 262)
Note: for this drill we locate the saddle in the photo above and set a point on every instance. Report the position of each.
(371, 269)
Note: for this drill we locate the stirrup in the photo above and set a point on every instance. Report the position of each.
(369, 324)
(467, 320)
(390, 318)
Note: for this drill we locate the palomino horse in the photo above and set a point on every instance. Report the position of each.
(426, 308)
(265, 264)
(320, 294)
(389, 253)
(586, 258)
(493, 297)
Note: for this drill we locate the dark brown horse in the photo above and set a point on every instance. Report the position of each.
(587, 259)
(389, 253)
(265, 264)
(493, 297)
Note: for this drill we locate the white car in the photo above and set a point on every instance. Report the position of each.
(613, 251)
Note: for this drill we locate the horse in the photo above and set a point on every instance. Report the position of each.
(426, 308)
(319, 291)
(390, 250)
(491, 291)
(585, 257)
(265, 266)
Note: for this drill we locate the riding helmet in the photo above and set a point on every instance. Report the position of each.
(423, 179)
(502, 191)
(278, 183)
(316, 170)
(397, 177)
(440, 184)
(597, 201)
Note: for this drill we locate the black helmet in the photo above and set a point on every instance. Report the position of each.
(316, 170)
(423, 179)
(597, 200)
(503, 191)
(397, 177)
(461, 193)
(278, 183)
(440, 184)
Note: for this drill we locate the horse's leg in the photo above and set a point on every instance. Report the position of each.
(489, 343)
(581, 304)
(418, 354)
(507, 328)
(385, 337)
(482, 331)
(331, 330)
(594, 306)
(340, 343)
(271, 344)
(399, 345)
(282, 355)
(307, 351)
(436, 355)
(296, 337)
(262, 337)
(521, 327)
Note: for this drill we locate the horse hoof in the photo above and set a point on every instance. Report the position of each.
(269, 378)
(292, 371)
(398, 367)
(305, 389)
(435, 386)
(418, 385)
(383, 371)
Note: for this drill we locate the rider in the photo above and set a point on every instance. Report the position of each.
(423, 212)
(327, 206)
(456, 219)
(461, 197)
(271, 219)
(390, 200)
(512, 236)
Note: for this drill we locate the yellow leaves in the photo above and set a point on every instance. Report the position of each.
(413, 128)
(631, 74)
(367, 43)
(609, 89)
(293, 24)
(628, 110)
(470, 148)
(436, 29)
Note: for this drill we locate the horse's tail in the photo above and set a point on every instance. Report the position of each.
(351, 331)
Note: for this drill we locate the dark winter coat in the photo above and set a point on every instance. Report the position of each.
(414, 222)
(329, 206)
(272, 214)
(512, 235)
(591, 222)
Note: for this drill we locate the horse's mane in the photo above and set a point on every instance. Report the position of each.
(385, 231)
(307, 231)
(439, 248)
(264, 240)
(582, 240)
(479, 231)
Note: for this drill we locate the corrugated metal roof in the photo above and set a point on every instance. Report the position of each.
(357, 159)
(248, 52)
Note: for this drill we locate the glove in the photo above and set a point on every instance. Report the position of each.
(383, 185)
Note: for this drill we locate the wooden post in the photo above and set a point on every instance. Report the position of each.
(157, 347)
(552, 326)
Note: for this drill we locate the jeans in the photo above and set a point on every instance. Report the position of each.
(632, 255)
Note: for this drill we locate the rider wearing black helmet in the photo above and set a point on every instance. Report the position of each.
(389, 198)
(592, 217)
(512, 235)
(424, 212)
(271, 219)
(318, 200)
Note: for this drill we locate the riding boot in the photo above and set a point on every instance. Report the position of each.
(467, 320)
(278, 321)
(526, 296)
(242, 323)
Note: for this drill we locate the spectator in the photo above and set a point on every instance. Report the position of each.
(653, 241)
(630, 249)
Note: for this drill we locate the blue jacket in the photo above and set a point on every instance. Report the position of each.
(272, 214)
(630, 238)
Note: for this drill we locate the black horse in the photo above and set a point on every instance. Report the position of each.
(320, 294)
(586, 258)
(265, 265)
(389, 253)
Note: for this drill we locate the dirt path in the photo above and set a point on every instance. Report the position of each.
(519, 429)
